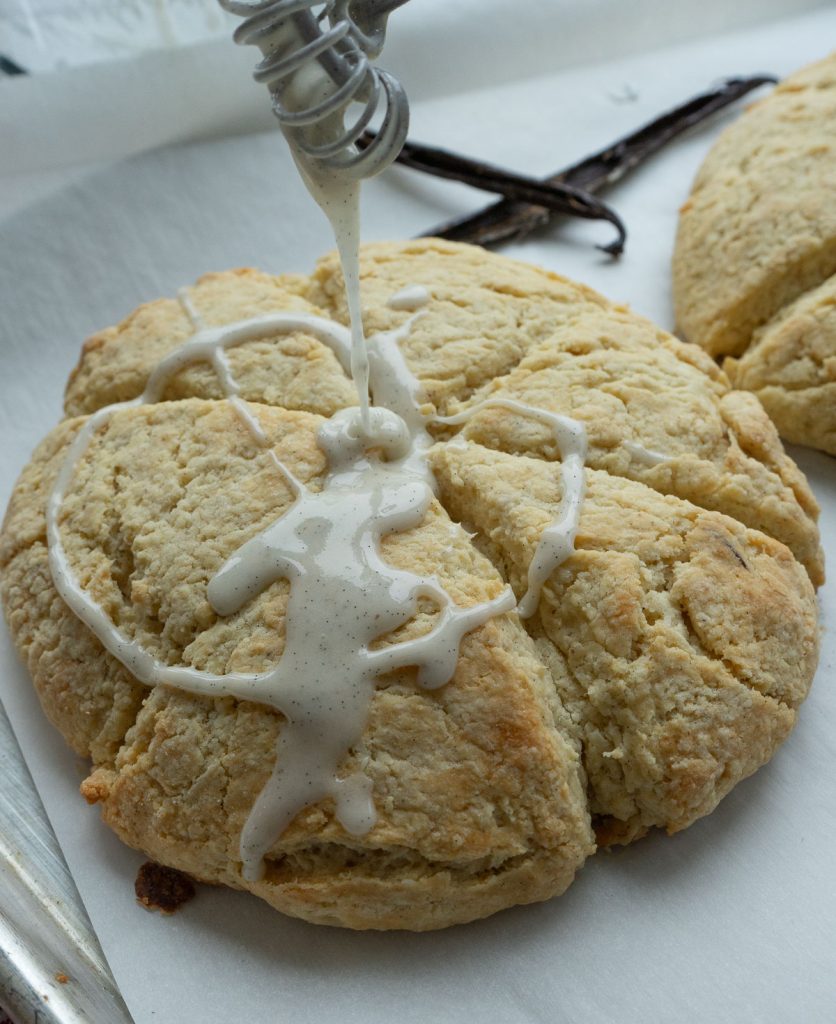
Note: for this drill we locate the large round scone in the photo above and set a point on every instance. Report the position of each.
(665, 660)
(755, 260)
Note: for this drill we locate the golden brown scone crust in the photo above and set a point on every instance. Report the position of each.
(666, 662)
(493, 323)
(294, 371)
(791, 367)
(756, 239)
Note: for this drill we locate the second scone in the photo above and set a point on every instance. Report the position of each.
(754, 268)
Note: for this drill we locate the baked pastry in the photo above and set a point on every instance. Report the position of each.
(791, 367)
(754, 267)
(665, 660)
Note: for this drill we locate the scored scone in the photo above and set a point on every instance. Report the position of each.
(754, 269)
(666, 661)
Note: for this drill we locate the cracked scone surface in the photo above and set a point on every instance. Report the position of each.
(667, 660)
(755, 255)
(493, 324)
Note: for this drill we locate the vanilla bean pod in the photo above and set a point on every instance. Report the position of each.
(516, 188)
(511, 219)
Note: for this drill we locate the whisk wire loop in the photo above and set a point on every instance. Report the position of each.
(340, 38)
(333, 103)
(277, 66)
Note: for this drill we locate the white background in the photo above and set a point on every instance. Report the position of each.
(732, 920)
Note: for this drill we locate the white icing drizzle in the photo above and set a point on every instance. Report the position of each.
(339, 200)
(557, 542)
(343, 596)
(458, 442)
(414, 296)
(209, 344)
(646, 456)
(334, 190)
(189, 308)
(396, 388)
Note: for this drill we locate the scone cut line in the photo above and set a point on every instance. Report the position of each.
(327, 546)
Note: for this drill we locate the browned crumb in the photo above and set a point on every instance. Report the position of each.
(161, 888)
(610, 831)
(61, 978)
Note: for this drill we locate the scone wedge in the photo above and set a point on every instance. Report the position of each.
(681, 643)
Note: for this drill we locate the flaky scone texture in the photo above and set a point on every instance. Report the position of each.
(666, 661)
(755, 255)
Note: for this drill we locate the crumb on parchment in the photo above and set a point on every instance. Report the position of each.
(161, 888)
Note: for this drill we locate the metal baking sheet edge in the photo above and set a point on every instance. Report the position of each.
(52, 969)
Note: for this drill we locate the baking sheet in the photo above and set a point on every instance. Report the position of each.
(51, 967)
(733, 919)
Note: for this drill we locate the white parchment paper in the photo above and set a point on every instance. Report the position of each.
(733, 920)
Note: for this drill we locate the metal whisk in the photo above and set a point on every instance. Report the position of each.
(316, 64)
